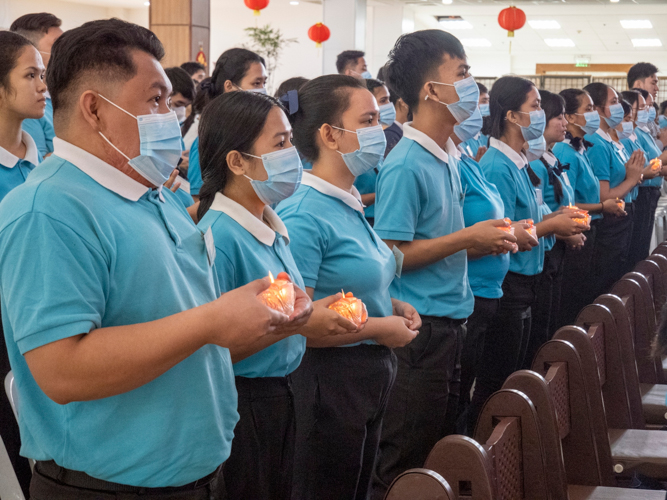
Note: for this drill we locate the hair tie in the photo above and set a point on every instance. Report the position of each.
(207, 85)
(291, 101)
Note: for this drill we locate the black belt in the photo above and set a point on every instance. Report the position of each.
(79, 479)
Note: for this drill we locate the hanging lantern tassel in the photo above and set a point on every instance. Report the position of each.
(256, 5)
(319, 33)
(511, 19)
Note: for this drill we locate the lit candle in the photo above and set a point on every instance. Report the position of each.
(656, 164)
(350, 307)
(620, 203)
(584, 218)
(508, 228)
(279, 296)
(532, 230)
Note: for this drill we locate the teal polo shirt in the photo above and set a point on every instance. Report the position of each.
(247, 249)
(83, 247)
(419, 197)
(41, 129)
(194, 170)
(580, 174)
(630, 145)
(365, 184)
(506, 169)
(482, 202)
(651, 150)
(335, 248)
(607, 160)
(14, 170)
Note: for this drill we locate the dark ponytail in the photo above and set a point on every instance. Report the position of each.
(598, 92)
(11, 45)
(572, 98)
(231, 122)
(508, 94)
(322, 100)
(232, 65)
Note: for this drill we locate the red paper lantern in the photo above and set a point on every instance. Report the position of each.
(511, 19)
(256, 5)
(319, 33)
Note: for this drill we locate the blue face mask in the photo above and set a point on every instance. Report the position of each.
(366, 75)
(160, 145)
(485, 109)
(651, 114)
(284, 170)
(536, 148)
(468, 93)
(592, 122)
(662, 120)
(617, 115)
(642, 117)
(627, 128)
(261, 90)
(469, 128)
(370, 155)
(387, 114)
(538, 122)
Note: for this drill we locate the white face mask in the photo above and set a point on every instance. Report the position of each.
(180, 113)
(261, 90)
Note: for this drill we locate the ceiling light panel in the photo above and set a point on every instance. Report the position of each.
(637, 24)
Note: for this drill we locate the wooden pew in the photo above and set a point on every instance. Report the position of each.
(419, 484)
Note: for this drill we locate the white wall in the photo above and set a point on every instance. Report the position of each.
(230, 17)
(72, 14)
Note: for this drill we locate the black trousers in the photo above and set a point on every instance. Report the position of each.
(262, 456)
(612, 249)
(424, 401)
(340, 395)
(642, 227)
(10, 428)
(578, 286)
(547, 301)
(48, 486)
(505, 341)
(471, 355)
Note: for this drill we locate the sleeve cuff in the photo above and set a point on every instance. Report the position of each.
(395, 235)
(309, 282)
(44, 337)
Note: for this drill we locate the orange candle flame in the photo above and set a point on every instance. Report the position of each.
(350, 307)
(279, 296)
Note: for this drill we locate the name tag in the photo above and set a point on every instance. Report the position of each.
(538, 197)
(470, 152)
(210, 246)
(398, 255)
(566, 179)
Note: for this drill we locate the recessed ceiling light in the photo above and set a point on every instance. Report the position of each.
(294, 2)
(636, 24)
(646, 42)
(455, 24)
(544, 25)
(447, 2)
(559, 42)
(614, 1)
(475, 42)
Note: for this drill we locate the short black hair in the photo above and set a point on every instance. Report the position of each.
(346, 57)
(627, 107)
(192, 67)
(294, 83)
(631, 96)
(322, 100)
(509, 94)
(572, 98)
(640, 71)
(414, 59)
(645, 93)
(102, 47)
(11, 46)
(380, 75)
(663, 107)
(35, 26)
(552, 104)
(598, 92)
(372, 84)
(482, 88)
(181, 83)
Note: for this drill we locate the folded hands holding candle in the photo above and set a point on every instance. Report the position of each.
(283, 297)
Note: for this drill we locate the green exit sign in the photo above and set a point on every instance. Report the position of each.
(581, 64)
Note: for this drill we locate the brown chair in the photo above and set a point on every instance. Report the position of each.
(619, 451)
(508, 466)
(557, 419)
(419, 484)
(650, 269)
(642, 313)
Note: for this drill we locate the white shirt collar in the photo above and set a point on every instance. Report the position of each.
(633, 137)
(398, 124)
(582, 148)
(644, 128)
(9, 160)
(100, 171)
(430, 145)
(550, 158)
(604, 135)
(519, 159)
(265, 233)
(351, 199)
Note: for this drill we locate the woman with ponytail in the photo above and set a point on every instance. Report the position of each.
(251, 164)
(618, 177)
(236, 69)
(517, 120)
